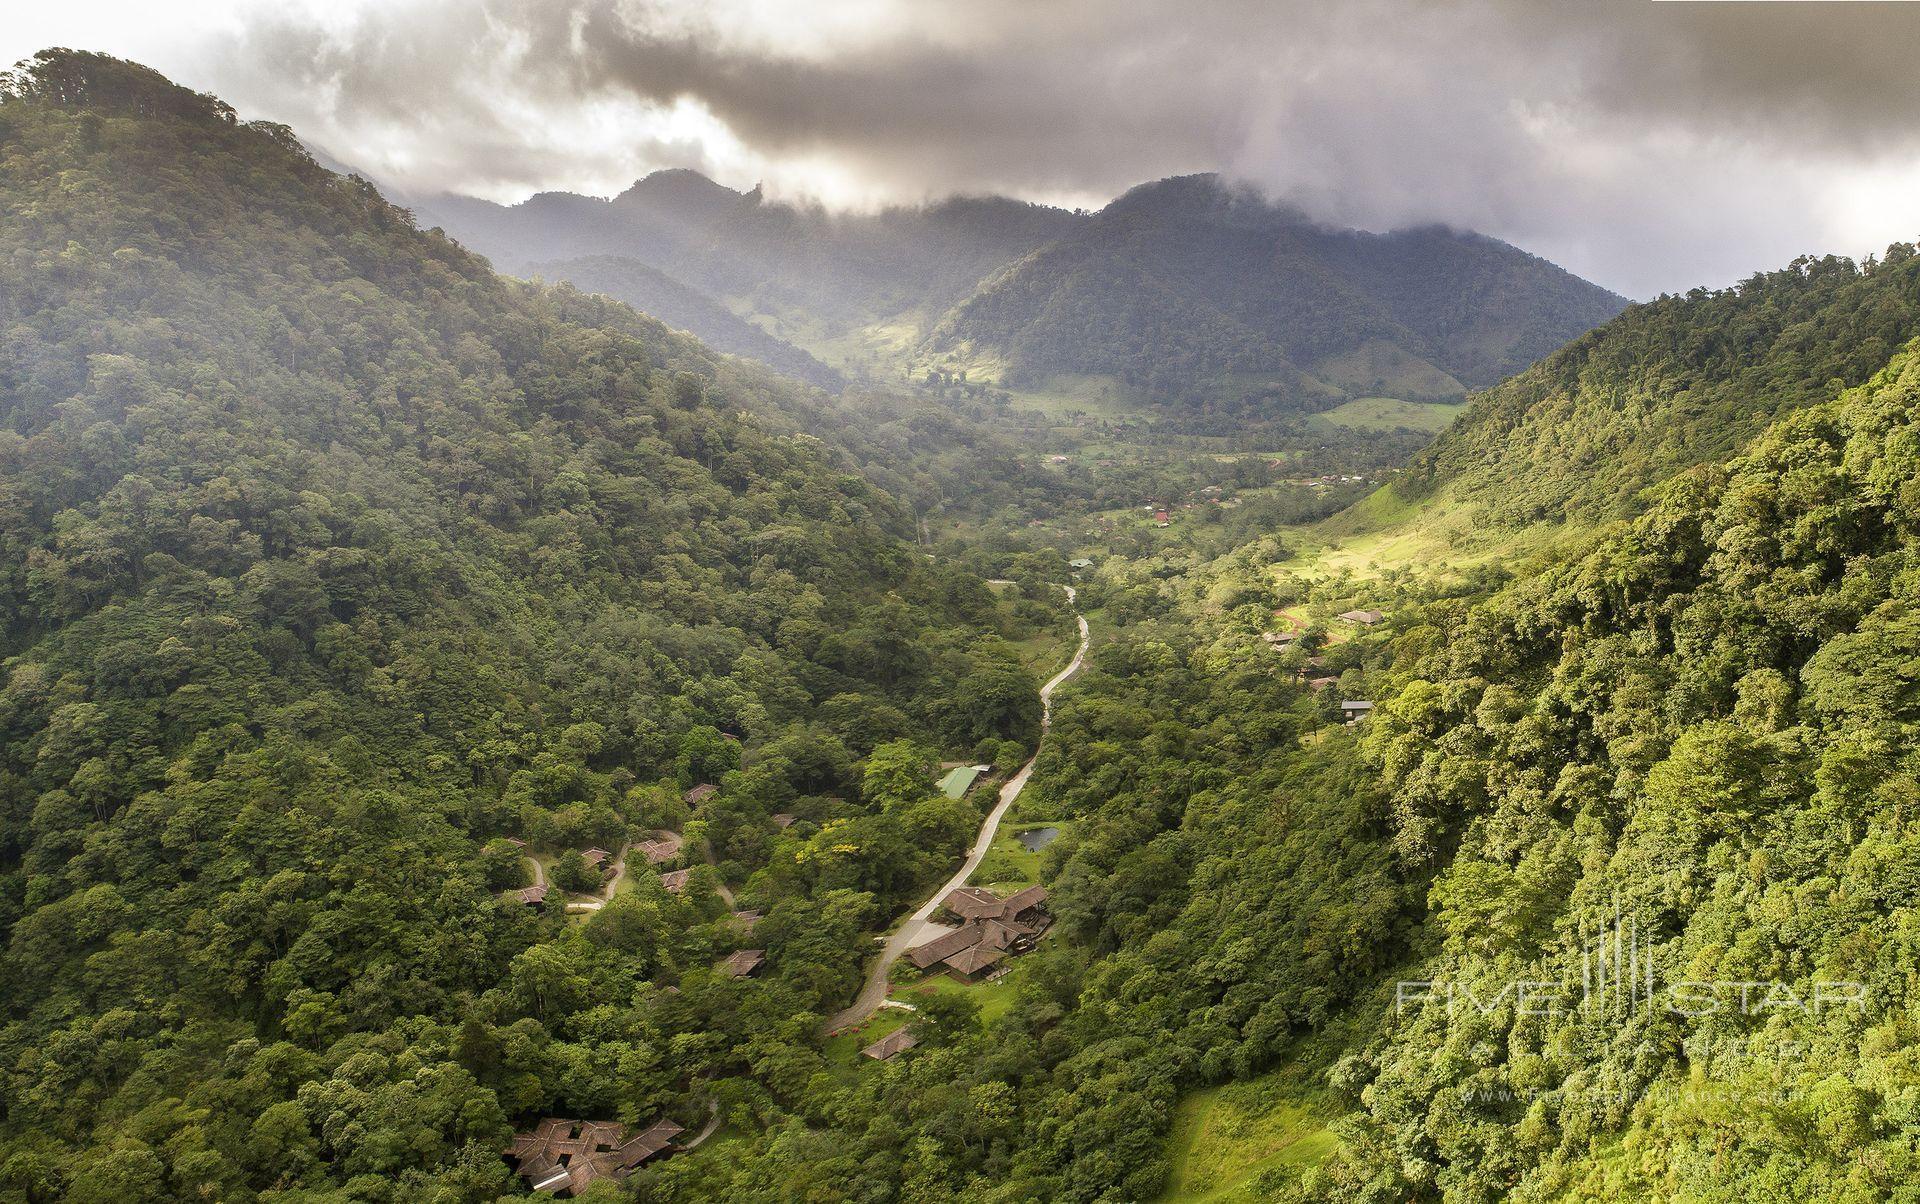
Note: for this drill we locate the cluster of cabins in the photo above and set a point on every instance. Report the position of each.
(1352, 711)
(991, 929)
(560, 1157)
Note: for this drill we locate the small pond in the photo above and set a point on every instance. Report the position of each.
(1035, 839)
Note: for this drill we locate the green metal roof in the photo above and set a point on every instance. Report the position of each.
(959, 780)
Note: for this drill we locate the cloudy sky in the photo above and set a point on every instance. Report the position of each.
(1648, 146)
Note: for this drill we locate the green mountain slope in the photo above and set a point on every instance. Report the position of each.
(1702, 732)
(328, 560)
(1182, 285)
(659, 295)
(1183, 289)
(824, 275)
(1683, 759)
(1679, 381)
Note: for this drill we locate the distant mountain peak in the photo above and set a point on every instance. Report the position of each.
(1202, 194)
(683, 190)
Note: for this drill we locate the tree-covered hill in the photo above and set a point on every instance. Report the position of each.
(1611, 898)
(1185, 290)
(822, 271)
(329, 559)
(1676, 382)
(1184, 286)
(659, 295)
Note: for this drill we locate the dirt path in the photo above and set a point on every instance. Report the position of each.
(904, 933)
(605, 894)
(706, 1130)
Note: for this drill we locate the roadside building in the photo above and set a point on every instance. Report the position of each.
(991, 929)
(960, 779)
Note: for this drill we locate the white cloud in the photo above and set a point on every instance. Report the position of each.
(1647, 146)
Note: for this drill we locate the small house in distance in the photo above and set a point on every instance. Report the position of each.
(1160, 519)
(743, 963)
(1080, 563)
(1364, 618)
(532, 896)
(1280, 640)
(701, 793)
(782, 819)
(1320, 683)
(676, 881)
(560, 1157)
(1355, 711)
(595, 857)
(896, 1042)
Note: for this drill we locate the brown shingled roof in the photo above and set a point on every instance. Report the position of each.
(897, 1041)
(1025, 900)
(972, 961)
(564, 1157)
(666, 848)
(972, 902)
(742, 962)
(942, 947)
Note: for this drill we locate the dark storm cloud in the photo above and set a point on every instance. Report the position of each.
(1649, 145)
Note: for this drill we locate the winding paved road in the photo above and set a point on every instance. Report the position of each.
(902, 937)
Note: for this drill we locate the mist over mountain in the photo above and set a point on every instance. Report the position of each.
(1187, 290)
(1185, 283)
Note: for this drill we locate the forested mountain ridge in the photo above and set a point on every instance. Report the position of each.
(659, 295)
(1693, 744)
(1676, 382)
(1188, 290)
(1703, 728)
(327, 560)
(1183, 284)
(822, 272)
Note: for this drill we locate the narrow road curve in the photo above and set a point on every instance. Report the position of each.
(875, 990)
(606, 891)
(706, 1130)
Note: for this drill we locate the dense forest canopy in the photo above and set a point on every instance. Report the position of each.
(1678, 381)
(330, 559)
(333, 561)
